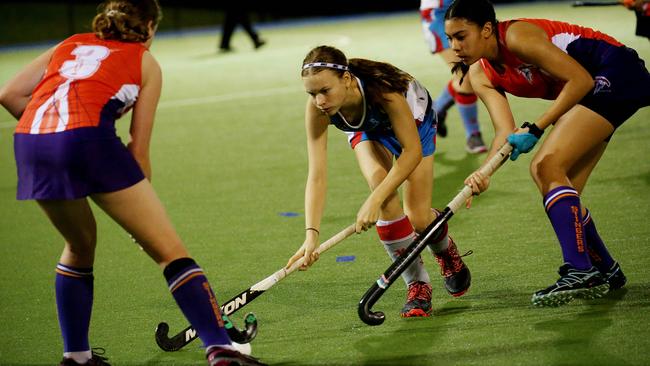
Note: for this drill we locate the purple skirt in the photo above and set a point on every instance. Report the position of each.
(73, 164)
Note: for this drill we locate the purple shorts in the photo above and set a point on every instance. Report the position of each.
(73, 164)
(622, 82)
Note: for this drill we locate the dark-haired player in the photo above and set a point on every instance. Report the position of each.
(595, 84)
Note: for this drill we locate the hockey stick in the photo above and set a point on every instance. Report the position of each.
(236, 334)
(413, 251)
(189, 334)
(595, 3)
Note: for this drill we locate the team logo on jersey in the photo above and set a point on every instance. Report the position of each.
(524, 70)
(602, 85)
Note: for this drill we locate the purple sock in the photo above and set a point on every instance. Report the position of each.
(74, 302)
(194, 296)
(563, 209)
(598, 252)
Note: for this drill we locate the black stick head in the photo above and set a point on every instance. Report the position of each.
(242, 336)
(163, 340)
(373, 318)
(367, 301)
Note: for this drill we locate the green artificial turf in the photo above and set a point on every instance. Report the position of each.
(229, 157)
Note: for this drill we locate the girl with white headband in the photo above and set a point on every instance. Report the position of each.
(390, 123)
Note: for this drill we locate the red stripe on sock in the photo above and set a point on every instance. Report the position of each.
(395, 231)
(464, 98)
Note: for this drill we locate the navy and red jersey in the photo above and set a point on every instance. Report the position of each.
(585, 45)
(374, 119)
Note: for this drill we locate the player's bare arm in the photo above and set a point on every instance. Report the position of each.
(316, 124)
(531, 44)
(502, 119)
(497, 105)
(144, 112)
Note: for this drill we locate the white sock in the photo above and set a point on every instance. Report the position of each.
(395, 245)
(79, 357)
(243, 348)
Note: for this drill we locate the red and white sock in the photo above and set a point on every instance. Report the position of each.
(397, 235)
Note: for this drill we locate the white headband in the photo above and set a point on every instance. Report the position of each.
(325, 64)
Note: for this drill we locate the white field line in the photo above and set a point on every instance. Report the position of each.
(206, 100)
(227, 97)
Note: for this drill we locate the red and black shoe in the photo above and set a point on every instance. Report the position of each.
(456, 275)
(418, 301)
(218, 356)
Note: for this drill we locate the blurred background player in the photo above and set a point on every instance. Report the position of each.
(390, 123)
(238, 13)
(432, 13)
(641, 10)
(595, 84)
(67, 101)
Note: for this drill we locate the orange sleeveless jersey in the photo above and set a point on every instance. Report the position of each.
(87, 81)
(525, 80)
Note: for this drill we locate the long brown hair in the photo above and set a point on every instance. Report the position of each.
(126, 20)
(379, 77)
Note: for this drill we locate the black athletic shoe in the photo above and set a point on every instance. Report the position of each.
(97, 359)
(259, 43)
(615, 277)
(586, 284)
(456, 275)
(218, 356)
(441, 129)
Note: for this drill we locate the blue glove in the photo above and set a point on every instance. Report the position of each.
(521, 143)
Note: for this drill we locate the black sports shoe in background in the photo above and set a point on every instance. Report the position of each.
(441, 116)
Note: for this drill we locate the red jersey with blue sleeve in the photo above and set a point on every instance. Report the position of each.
(526, 80)
(88, 82)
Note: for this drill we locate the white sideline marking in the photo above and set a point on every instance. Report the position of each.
(227, 97)
(207, 99)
